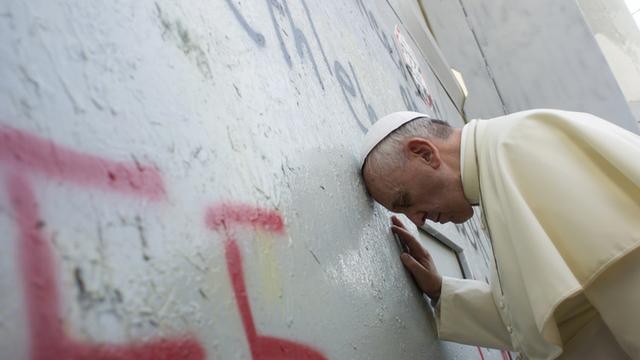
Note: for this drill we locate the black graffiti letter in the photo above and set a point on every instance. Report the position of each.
(406, 98)
(302, 43)
(347, 87)
(257, 37)
(274, 4)
(372, 114)
(315, 33)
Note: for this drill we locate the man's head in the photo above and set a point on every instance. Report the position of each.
(415, 169)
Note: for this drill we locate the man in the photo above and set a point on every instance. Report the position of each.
(559, 194)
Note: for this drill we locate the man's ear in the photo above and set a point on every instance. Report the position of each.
(425, 149)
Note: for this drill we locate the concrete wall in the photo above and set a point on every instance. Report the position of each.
(179, 181)
(517, 55)
(619, 38)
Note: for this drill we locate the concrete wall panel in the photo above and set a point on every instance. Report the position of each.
(538, 54)
(619, 38)
(179, 181)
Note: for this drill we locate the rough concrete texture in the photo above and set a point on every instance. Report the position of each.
(520, 54)
(179, 182)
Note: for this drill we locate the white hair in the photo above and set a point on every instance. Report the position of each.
(388, 153)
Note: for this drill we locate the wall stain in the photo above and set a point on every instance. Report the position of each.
(180, 36)
(142, 237)
(237, 90)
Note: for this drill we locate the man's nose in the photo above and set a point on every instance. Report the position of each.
(416, 218)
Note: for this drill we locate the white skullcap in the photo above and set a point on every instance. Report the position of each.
(383, 127)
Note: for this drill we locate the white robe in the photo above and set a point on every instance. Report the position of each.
(560, 193)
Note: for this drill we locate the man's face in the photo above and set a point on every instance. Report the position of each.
(421, 191)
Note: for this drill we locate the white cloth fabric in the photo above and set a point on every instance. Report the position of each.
(561, 198)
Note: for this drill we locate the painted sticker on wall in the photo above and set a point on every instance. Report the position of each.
(413, 67)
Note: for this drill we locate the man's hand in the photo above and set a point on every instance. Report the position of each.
(418, 261)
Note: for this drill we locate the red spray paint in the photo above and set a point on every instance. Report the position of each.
(31, 153)
(503, 353)
(225, 217)
(22, 153)
(480, 351)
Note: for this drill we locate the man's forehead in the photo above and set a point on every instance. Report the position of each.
(379, 182)
(385, 191)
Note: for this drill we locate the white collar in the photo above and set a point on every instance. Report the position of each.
(468, 165)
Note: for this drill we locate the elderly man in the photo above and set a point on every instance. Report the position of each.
(559, 194)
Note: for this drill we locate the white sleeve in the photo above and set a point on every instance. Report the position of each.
(466, 313)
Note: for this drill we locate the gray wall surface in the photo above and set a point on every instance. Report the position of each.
(518, 55)
(179, 181)
(619, 38)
